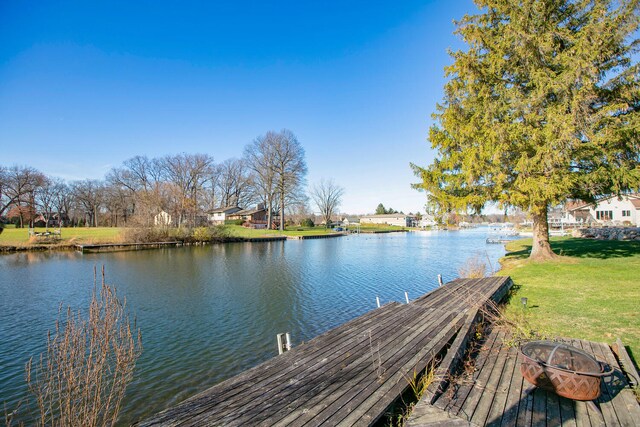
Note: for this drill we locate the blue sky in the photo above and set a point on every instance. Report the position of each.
(87, 85)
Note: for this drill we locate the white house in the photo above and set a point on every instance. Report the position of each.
(400, 220)
(219, 216)
(163, 219)
(610, 211)
(427, 221)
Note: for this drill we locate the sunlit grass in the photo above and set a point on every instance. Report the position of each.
(20, 236)
(592, 292)
(244, 232)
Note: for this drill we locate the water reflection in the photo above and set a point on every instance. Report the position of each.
(207, 313)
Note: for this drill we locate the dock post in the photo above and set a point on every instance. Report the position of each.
(284, 342)
(439, 279)
(378, 301)
(406, 297)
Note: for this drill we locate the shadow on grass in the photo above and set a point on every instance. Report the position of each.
(586, 248)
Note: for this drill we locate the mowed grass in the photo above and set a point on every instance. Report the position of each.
(592, 292)
(379, 228)
(20, 236)
(244, 232)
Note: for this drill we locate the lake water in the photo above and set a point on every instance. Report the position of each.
(208, 313)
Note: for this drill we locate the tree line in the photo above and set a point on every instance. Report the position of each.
(272, 172)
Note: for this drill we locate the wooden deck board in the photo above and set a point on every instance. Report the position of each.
(524, 405)
(510, 414)
(498, 406)
(334, 377)
(309, 402)
(487, 400)
(330, 389)
(453, 401)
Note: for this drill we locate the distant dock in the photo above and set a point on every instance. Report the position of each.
(117, 247)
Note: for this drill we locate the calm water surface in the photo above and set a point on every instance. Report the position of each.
(208, 313)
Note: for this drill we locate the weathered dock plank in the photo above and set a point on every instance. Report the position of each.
(347, 376)
(515, 402)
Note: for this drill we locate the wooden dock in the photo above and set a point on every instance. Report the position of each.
(316, 236)
(496, 394)
(119, 247)
(349, 375)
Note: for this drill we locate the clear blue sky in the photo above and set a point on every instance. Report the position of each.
(87, 85)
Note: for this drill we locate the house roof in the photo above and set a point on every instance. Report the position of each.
(572, 205)
(248, 212)
(226, 209)
(633, 198)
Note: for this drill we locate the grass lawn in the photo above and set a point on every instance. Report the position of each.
(240, 231)
(20, 236)
(592, 292)
(377, 228)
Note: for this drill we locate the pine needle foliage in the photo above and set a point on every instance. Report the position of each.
(541, 107)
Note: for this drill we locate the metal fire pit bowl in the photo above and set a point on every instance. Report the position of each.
(562, 369)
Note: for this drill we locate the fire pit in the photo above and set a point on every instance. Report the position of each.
(562, 369)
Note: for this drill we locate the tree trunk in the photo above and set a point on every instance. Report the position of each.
(282, 211)
(269, 212)
(541, 249)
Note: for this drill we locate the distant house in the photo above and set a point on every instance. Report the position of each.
(427, 221)
(610, 210)
(220, 215)
(163, 219)
(50, 219)
(253, 218)
(350, 220)
(400, 220)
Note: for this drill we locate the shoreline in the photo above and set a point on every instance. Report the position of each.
(140, 246)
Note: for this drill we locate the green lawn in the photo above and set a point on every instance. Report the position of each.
(240, 231)
(20, 236)
(379, 228)
(591, 292)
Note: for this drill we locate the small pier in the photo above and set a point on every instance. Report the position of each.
(349, 375)
(117, 247)
(315, 236)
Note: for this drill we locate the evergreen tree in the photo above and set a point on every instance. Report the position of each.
(541, 107)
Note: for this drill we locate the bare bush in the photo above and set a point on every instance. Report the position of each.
(82, 378)
(473, 268)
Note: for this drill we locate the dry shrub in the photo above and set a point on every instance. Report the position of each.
(146, 235)
(89, 362)
(473, 268)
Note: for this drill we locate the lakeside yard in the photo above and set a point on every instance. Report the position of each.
(68, 235)
(591, 292)
(20, 237)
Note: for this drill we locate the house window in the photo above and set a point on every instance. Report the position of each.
(604, 215)
(626, 213)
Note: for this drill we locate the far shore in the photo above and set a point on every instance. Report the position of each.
(14, 240)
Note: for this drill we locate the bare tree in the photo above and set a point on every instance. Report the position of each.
(140, 179)
(89, 195)
(63, 199)
(235, 183)
(260, 157)
(45, 199)
(290, 169)
(18, 185)
(327, 196)
(277, 160)
(189, 173)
